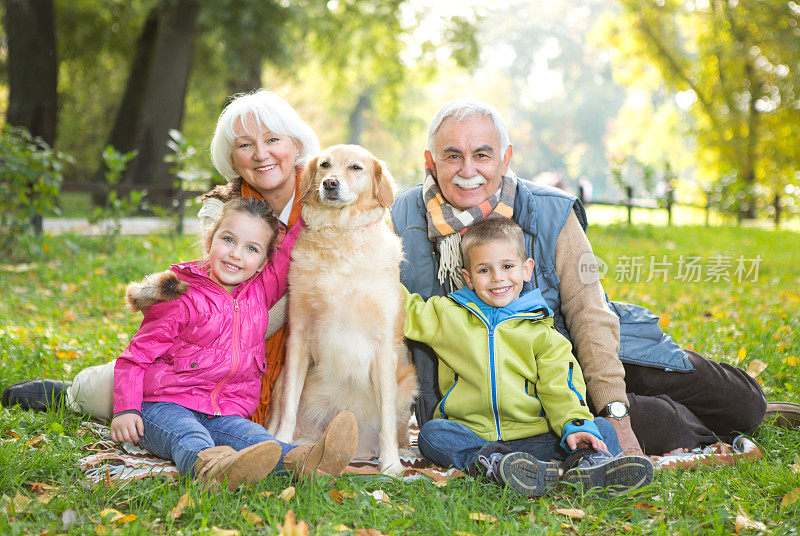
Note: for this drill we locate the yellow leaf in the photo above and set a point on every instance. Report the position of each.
(339, 496)
(287, 494)
(476, 516)
(574, 513)
(795, 467)
(124, 519)
(46, 497)
(64, 355)
(790, 497)
(264, 493)
(439, 483)
(756, 367)
(663, 320)
(100, 530)
(792, 360)
(462, 533)
(251, 518)
(41, 487)
(216, 531)
(185, 501)
(744, 522)
(33, 441)
(18, 504)
(68, 316)
(291, 527)
(742, 353)
(342, 528)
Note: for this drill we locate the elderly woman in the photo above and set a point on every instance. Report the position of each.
(260, 144)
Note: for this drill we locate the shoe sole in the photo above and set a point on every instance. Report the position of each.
(526, 475)
(340, 444)
(253, 464)
(615, 477)
(783, 414)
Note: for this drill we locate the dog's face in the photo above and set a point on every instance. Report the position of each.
(344, 175)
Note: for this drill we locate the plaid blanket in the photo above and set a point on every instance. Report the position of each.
(108, 461)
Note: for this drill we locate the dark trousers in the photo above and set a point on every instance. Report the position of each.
(713, 403)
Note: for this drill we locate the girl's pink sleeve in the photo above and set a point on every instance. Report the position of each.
(275, 273)
(159, 330)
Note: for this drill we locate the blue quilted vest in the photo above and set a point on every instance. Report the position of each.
(541, 211)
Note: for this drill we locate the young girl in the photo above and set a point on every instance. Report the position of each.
(192, 373)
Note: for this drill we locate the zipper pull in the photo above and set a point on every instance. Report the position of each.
(236, 305)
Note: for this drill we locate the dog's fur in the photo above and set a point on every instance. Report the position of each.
(345, 348)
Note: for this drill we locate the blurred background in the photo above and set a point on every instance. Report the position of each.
(646, 103)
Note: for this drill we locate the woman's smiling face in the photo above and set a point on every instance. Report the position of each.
(265, 160)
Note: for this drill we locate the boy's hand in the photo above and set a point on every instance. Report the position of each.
(578, 440)
(127, 428)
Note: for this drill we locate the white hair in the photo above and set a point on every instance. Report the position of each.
(460, 109)
(270, 111)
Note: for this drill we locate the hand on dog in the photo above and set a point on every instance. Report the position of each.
(578, 440)
(127, 428)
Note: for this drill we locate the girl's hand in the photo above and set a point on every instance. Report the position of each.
(127, 428)
(578, 440)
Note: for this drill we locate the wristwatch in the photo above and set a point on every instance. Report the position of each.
(616, 410)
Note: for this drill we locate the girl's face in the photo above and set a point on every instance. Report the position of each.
(238, 249)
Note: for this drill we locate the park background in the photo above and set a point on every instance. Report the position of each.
(637, 101)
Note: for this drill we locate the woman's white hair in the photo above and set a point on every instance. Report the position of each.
(460, 109)
(270, 111)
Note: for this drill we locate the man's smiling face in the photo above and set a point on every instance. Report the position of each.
(467, 161)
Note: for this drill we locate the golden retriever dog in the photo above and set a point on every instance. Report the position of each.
(345, 348)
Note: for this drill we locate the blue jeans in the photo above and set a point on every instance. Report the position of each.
(452, 444)
(176, 433)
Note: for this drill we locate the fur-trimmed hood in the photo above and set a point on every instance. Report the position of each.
(154, 288)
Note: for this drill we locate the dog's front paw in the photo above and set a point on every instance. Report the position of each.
(283, 436)
(392, 467)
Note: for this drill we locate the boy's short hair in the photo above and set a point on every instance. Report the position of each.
(492, 230)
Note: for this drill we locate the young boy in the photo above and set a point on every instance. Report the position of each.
(513, 394)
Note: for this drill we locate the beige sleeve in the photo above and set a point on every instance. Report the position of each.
(593, 327)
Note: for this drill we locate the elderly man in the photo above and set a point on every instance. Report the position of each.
(636, 376)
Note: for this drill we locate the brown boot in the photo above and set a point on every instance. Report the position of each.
(218, 464)
(331, 454)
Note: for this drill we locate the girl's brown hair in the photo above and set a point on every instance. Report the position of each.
(250, 206)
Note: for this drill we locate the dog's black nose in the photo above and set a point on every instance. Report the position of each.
(330, 184)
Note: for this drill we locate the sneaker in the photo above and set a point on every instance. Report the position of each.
(521, 472)
(614, 475)
(783, 414)
(35, 394)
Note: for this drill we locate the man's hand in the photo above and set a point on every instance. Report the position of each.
(582, 440)
(127, 428)
(627, 439)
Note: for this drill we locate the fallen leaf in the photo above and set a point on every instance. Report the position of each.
(185, 501)
(462, 533)
(342, 528)
(100, 530)
(287, 494)
(63, 354)
(339, 496)
(795, 467)
(41, 487)
(18, 504)
(790, 497)
(792, 360)
(109, 514)
(380, 497)
(756, 367)
(742, 353)
(744, 522)
(405, 509)
(124, 519)
(477, 516)
(369, 532)
(291, 527)
(68, 316)
(34, 441)
(216, 531)
(264, 493)
(439, 483)
(663, 320)
(647, 506)
(251, 518)
(574, 513)
(46, 497)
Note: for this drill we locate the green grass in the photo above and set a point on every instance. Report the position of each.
(64, 312)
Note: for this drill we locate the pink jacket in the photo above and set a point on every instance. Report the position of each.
(205, 349)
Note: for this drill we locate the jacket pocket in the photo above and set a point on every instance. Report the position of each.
(199, 360)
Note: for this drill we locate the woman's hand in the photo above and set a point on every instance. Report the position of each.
(127, 428)
(578, 440)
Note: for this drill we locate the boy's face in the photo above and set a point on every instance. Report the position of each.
(496, 272)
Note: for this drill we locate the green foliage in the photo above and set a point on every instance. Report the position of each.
(30, 178)
(116, 206)
(735, 64)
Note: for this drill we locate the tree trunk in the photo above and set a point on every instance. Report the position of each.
(32, 70)
(154, 98)
(358, 119)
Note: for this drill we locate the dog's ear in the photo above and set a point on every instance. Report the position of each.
(304, 185)
(384, 184)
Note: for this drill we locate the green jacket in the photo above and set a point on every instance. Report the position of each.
(506, 373)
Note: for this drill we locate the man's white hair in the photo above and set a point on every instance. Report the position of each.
(460, 109)
(270, 111)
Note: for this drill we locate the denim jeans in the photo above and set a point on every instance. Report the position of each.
(452, 444)
(176, 433)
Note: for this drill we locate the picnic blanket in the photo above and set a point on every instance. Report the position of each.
(107, 461)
